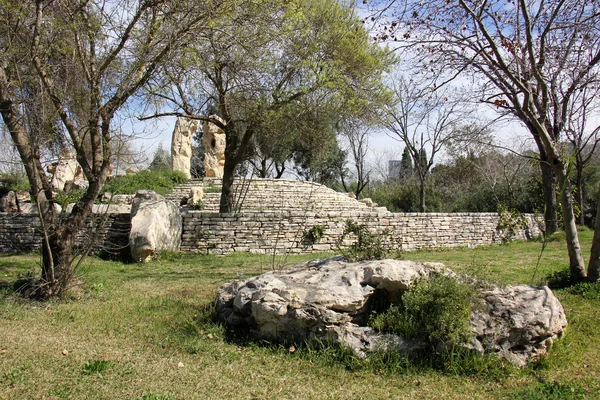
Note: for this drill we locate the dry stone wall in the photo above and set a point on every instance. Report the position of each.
(283, 231)
(109, 233)
(275, 215)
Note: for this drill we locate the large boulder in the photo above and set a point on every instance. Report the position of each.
(181, 144)
(155, 225)
(332, 300)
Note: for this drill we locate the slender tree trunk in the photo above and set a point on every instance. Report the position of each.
(594, 265)
(422, 206)
(580, 194)
(576, 263)
(549, 192)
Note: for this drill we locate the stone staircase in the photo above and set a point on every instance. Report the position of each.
(260, 194)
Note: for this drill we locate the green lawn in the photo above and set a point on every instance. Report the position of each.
(135, 331)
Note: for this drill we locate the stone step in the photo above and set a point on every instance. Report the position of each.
(272, 194)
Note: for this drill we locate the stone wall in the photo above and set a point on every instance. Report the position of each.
(109, 233)
(283, 231)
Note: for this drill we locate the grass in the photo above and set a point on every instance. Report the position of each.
(144, 331)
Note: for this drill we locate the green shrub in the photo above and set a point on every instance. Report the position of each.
(13, 181)
(510, 222)
(161, 181)
(368, 246)
(63, 198)
(435, 309)
(314, 234)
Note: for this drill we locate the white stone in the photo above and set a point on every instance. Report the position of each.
(181, 144)
(155, 225)
(214, 148)
(64, 170)
(196, 195)
(328, 299)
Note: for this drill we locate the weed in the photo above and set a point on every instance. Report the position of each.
(586, 290)
(91, 367)
(155, 396)
(368, 246)
(314, 234)
(510, 222)
(551, 391)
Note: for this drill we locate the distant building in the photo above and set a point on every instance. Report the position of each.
(394, 169)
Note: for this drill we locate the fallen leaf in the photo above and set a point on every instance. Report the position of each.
(65, 352)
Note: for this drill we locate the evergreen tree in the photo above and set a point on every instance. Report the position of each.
(406, 164)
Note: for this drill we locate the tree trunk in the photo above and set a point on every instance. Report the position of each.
(57, 268)
(549, 192)
(422, 206)
(580, 197)
(227, 196)
(576, 263)
(594, 265)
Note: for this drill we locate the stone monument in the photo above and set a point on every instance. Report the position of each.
(181, 144)
(214, 148)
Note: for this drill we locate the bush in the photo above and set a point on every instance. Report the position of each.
(161, 181)
(368, 246)
(436, 309)
(13, 181)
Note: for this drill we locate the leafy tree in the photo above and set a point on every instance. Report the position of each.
(270, 56)
(84, 61)
(406, 164)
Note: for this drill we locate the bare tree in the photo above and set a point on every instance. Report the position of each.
(426, 120)
(357, 137)
(583, 133)
(531, 57)
(88, 59)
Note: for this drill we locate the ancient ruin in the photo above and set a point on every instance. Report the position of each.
(181, 144)
(214, 148)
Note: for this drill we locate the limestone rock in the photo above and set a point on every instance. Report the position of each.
(519, 322)
(368, 202)
(8, 202)
(196, 195)
(181, 144)
(23, 196)
(331, 300)
(122, 199)
(214, 148)
(64, 170)
(155, 225)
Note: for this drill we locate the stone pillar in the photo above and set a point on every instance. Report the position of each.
(214, 148)
(181, 144)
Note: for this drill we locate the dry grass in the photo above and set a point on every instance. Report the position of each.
(150, 324)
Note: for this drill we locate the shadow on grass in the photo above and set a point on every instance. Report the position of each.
(563, 280)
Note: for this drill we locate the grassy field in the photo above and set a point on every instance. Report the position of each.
(135, 331)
